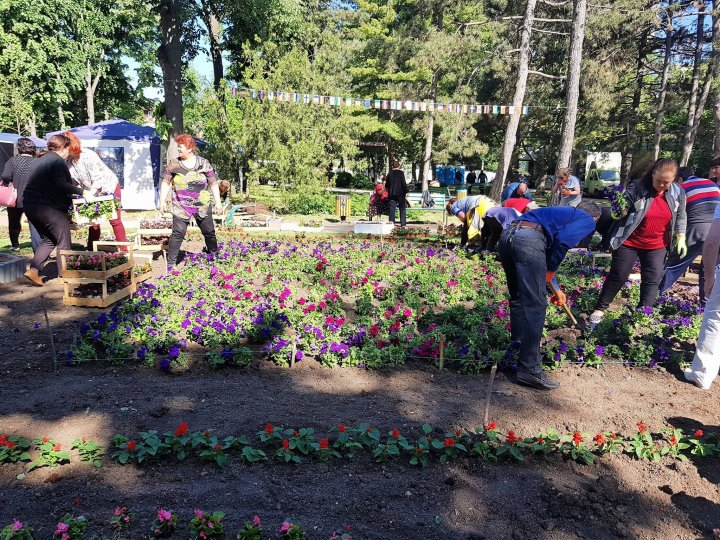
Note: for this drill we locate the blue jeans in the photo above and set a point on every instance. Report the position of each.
(677, 266)
(522, 254)
(394, 203)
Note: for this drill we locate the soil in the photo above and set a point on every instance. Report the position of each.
(548, 499)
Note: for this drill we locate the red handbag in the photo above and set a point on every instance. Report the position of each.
(8, 196)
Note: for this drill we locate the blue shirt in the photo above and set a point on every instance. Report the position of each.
(511, 191)
(465, 204)
(564, 227)
(505, 216)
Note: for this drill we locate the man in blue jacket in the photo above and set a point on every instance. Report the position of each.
(531, 250)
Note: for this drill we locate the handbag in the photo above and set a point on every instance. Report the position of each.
(8, 196)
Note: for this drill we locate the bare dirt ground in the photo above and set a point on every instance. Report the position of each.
(617, 497)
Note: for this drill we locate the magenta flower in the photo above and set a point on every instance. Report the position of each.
(285, 527)
(164, 515)
(16, 525)
(199, 513)
(256, 521)
(119, 511)
(61, 529)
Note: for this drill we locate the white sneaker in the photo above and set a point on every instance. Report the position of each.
(596, 316)
(692, 377)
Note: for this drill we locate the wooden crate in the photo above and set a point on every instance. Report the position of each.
(92, 274)
(103, 301)
(82, 220)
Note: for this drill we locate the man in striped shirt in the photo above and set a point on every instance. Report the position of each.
(702, 196)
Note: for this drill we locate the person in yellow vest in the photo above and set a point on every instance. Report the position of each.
(470, 211)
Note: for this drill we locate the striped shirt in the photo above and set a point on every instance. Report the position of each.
(700, 191)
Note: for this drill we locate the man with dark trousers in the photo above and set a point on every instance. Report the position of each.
(531, 250)
(397, 190)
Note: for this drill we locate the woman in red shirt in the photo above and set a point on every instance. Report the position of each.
(656, 212)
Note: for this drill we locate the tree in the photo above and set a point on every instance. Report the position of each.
(573, 83)
(518, 98)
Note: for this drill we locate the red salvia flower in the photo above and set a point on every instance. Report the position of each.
(577, 438)
(491, 426)
(181, 429)
(218, 448)
(324, 444)
(673, 440)
(600, 439)
(131, 446)
(395, 433)
(342, 428)
(449, 442)
(458, 433)
(56, 448)
(10, 444)
(699, 433)
(540, 440)
(512, 438)
(286, 444)
(269, 429)
(642, 428)
(44, 440)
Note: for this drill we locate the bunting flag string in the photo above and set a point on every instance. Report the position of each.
(380, 104)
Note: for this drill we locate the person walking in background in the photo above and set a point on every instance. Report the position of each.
(46, 200)
(706, 363)
(16, 172)
(701, 198)
(516, 190)
(192, 180)
(90, 173)
(397, 189)
(656, 215)
(531, 250)
(566, 189)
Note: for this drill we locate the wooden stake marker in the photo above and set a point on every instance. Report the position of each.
(442, 352)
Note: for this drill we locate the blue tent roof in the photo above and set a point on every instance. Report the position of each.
(13, 137)
(117, 129)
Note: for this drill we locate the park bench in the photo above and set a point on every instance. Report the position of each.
(440, 199)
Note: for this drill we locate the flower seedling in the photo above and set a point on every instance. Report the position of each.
(164, 524)
(89, 451)
(14, 449)
(121, 518)
(16, 531)
(205, 525)
(251, 530)
(70, 528)
(51, 454)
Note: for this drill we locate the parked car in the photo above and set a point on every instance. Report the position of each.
(598, 179)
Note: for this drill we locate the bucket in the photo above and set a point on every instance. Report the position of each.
(461, 193)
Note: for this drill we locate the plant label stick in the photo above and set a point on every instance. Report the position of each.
(493, 371)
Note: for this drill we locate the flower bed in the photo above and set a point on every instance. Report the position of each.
(357, 304)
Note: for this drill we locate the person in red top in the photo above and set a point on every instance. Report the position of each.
(656, 213)
(520, 204)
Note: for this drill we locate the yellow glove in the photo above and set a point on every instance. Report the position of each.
(681, 246)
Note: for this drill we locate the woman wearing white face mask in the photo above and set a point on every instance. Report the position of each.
(192, 180)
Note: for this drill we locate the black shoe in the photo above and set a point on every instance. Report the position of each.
(541, 383)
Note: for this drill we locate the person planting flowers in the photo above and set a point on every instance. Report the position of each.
(192, 180)
(470, 211)
(531, 250)
(656, 214)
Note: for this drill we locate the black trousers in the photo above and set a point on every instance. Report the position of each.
(207, 228)
(14, 226)
(652, 269)
(490, 233)
(54, 228)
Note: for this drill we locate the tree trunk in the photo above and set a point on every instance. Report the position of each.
(716, 139)
(520, 85)
(660, 116)
(170, 58)
(89, 95)
(573, 83)
(427, 153)
(213, 27)
(631, 118)
(694, 88)
(707, 85)
(32, 124)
